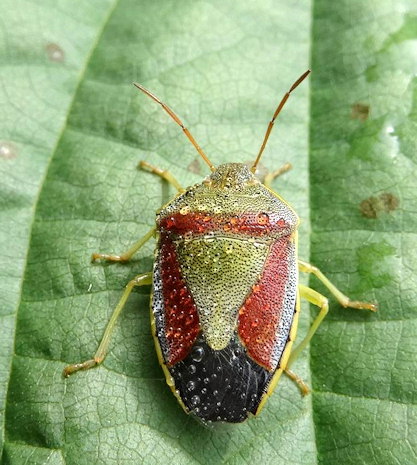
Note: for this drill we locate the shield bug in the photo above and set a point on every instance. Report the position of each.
(225, 293)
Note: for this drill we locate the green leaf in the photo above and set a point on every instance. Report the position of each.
(72, 132)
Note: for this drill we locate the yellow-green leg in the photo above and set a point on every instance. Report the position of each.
(316, 299)
(320, 301)
(140, 280)
(274, 174)
(162, 173)
(298, 381)
(126, 256)
(342, 298)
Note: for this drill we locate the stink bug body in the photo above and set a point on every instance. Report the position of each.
(225, 291)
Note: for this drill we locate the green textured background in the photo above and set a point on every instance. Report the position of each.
(72, 129)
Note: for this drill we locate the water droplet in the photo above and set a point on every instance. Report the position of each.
(256, 288)
(204, 391)
(192, 369)
(189, 320)
(195, 400)
(215, 393)
(185, 210)
(262, 218)
(206, 380)
(228, 248)
(197, 354)
(7, 150)
(170, 222)
(55, 52)
(209, 237)
(191, 385)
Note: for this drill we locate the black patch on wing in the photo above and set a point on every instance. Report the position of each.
(220, 385)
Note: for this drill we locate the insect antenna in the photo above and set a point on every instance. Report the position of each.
(178, 121)
(277, 111)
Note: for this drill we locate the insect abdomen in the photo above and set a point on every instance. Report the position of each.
(220, 385)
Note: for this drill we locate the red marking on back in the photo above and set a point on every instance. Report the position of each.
(181, 317)
(260, 314)
(257, 224)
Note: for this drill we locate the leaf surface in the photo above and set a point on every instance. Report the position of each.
(73, 131)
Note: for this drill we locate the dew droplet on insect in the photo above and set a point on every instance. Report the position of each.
(170, 222)
(192, 369)
(229, 249)
(197, 354)
(189, 319)
(191, 385)
(195, 400)
(262, 218)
